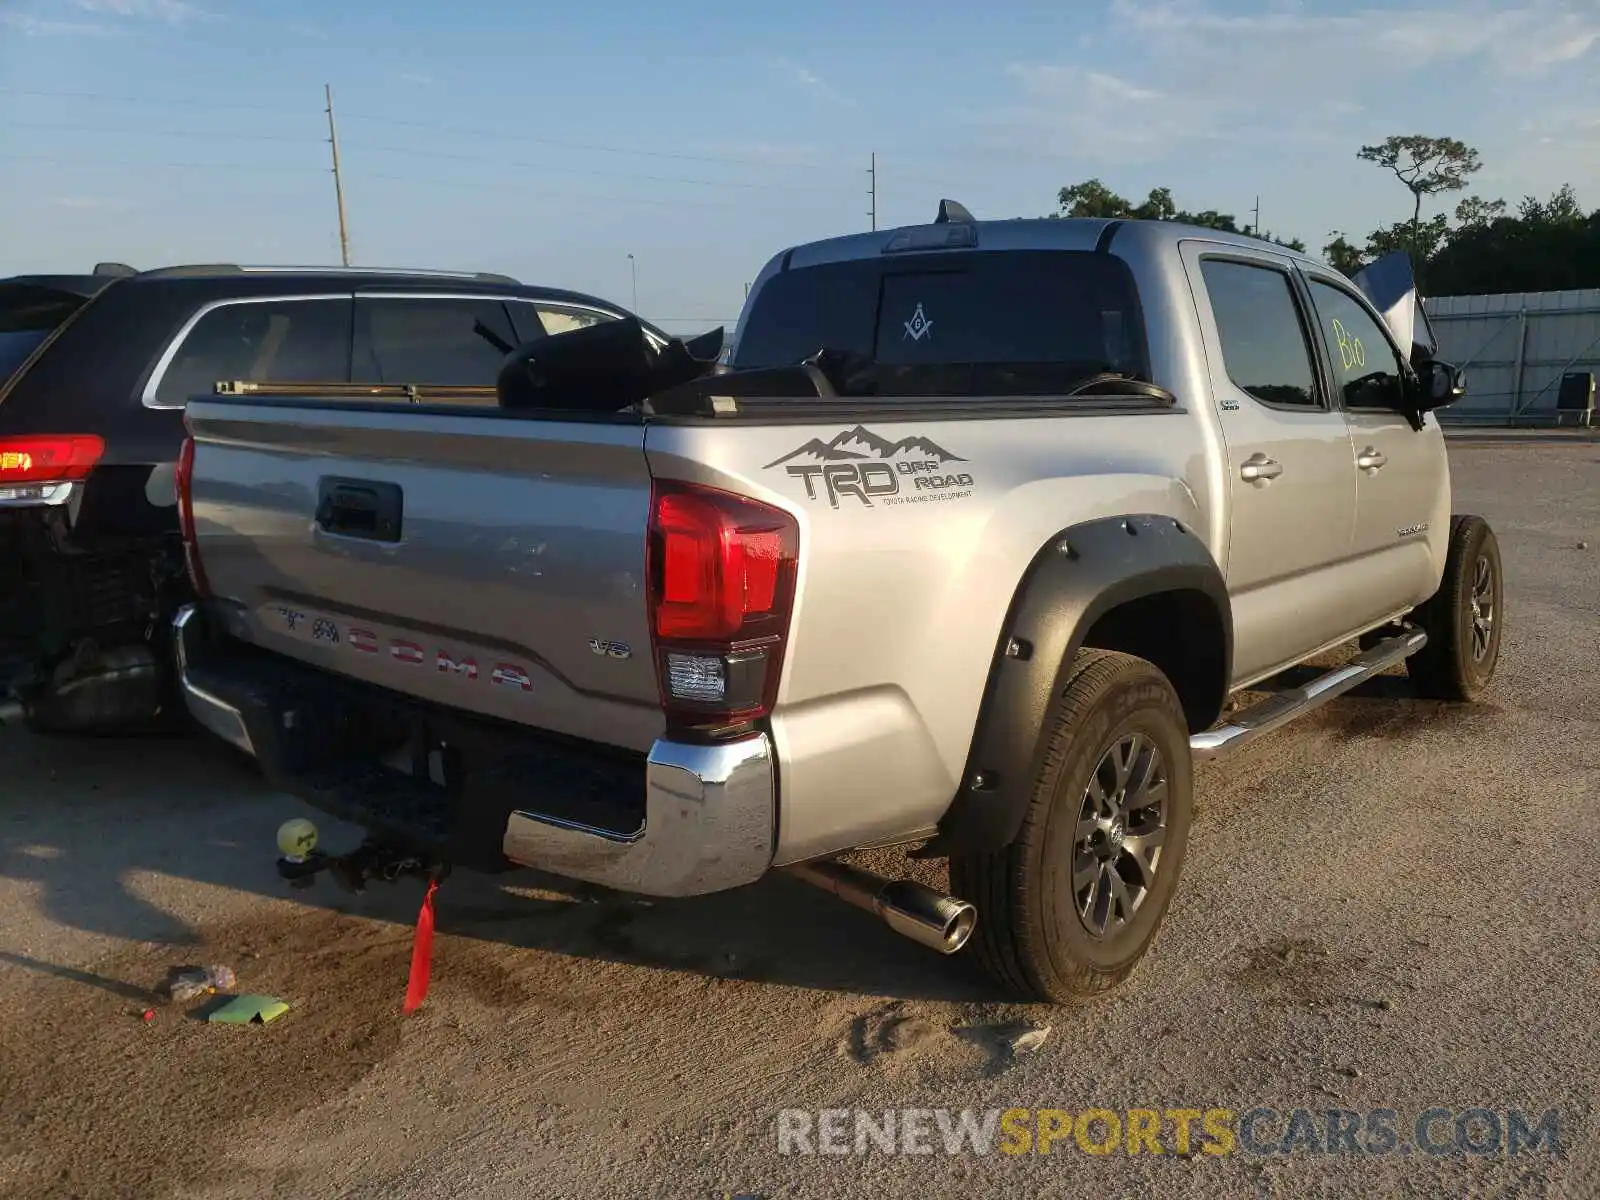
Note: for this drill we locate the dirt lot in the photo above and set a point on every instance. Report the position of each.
(1393, 905)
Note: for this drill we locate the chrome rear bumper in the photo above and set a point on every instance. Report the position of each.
(709, 825)
(710, 812)
(214, 713)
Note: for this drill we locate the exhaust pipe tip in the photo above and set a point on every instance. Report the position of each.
(926, 916)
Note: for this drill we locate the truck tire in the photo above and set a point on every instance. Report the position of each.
(1463, 619)
(1067, 910)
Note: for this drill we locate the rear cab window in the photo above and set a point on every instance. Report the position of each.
(975, 323)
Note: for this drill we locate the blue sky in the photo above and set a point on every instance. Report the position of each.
(553, 140)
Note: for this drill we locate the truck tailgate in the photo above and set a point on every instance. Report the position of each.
(483, 562)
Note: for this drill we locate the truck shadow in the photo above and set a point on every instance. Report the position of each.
(105, 836)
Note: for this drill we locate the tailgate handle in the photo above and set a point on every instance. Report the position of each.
(360, 508)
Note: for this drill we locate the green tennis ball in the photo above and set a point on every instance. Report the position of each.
(296, 839)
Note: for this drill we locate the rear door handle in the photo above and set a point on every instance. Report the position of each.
(1371, 459)
(1258, 468)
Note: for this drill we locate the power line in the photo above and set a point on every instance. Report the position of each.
(493, 160)
(420, 152)
(150, 100)
(479, 187)
(455, 130)
(595, 147)
(268, 168)
(232, 136)
(416, 181)
(371, 118)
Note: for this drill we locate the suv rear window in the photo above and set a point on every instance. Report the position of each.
(431, 341)
(285, 341)
(28, 315)
(1025, 322)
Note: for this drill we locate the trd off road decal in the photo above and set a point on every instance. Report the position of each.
(874, 470)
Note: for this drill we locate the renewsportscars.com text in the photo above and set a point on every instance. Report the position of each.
(1438, 1132)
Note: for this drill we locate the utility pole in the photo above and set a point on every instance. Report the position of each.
(872, 189)
(1256, 228)
(338, 179)
(633, 271)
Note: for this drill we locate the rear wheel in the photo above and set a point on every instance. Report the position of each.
(1464, 619)
(1070, 907)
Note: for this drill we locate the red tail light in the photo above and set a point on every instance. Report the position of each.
(722, 579)
(183, 479)
(49, 458)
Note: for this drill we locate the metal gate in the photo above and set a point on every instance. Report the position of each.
(1515, 348)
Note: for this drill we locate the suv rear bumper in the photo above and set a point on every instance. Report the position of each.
(706, 824)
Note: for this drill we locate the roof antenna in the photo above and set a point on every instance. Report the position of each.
(121, 270)
(950, 211)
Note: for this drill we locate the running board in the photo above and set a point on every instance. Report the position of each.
(1282, 707)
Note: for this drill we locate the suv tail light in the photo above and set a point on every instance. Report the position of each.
(183, 479)
(722, 579)
(28, 464)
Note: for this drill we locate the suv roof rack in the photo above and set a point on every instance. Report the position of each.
(191, 269)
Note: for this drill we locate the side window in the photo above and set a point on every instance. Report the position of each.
(282, 341)
(1364, 363)
(1263, 342)
(563, 320)
(428, 341)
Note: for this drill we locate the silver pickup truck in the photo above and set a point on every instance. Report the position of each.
(968, 546)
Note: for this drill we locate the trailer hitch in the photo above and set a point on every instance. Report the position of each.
(300, 862)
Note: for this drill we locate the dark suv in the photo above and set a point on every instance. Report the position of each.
(95, 371)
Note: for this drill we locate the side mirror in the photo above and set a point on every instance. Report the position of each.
(1442, 384)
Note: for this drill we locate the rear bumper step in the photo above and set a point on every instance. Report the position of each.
(686, 820)
(1282, 707)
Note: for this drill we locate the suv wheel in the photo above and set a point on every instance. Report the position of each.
(1070, 907)
(1464, 619)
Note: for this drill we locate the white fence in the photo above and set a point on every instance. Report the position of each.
(1515, 349)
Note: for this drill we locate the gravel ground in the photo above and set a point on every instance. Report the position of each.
(1390, 906)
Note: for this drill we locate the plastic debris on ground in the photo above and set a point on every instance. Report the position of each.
(185, 983)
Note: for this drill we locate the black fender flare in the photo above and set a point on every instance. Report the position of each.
(1081, 574)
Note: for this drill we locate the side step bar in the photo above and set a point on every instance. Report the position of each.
(1282, 707)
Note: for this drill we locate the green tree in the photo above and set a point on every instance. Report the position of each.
(1549, 245)
(1343, 255)
(1092, 198)
(1475, 212)
(1426, 165)
(1561, 209)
